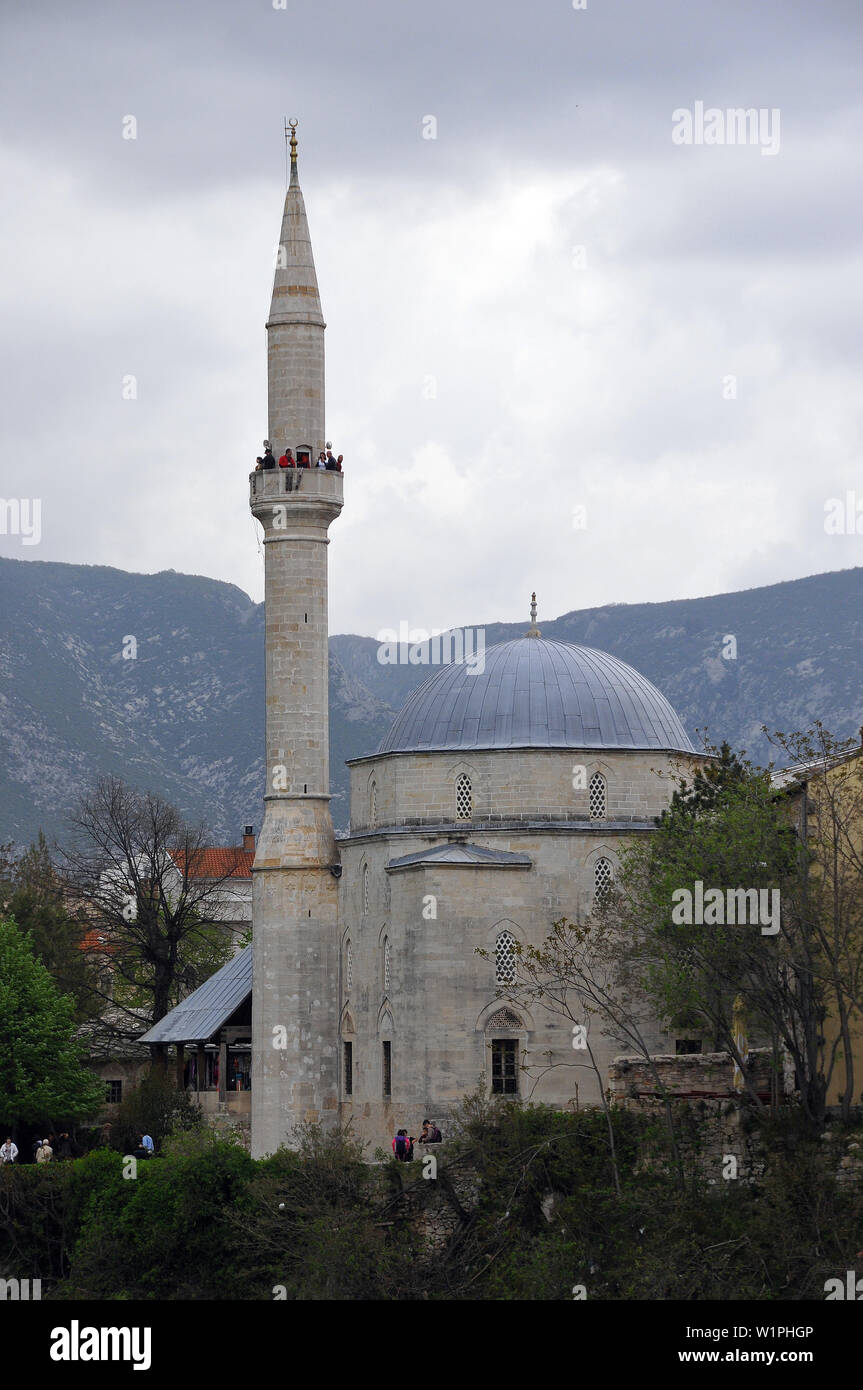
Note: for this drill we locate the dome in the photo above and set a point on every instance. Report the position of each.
(535, 693)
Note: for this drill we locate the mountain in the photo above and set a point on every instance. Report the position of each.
(185, 716)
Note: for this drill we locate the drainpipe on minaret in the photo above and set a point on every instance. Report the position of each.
(295, 947)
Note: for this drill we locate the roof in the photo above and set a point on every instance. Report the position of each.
(228, 862)
(533, 693)
(459, 856)
(208, 1007)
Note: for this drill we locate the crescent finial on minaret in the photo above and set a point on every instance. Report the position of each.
(534, 630)
(293, 142)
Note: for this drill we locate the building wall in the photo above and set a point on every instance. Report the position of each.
(439, 1011)
(507, 784)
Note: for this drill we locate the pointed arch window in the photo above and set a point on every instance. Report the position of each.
(373, 805)
(603, 879)
(349, 966)
(504, 958)
(365, 888)
(597, 798)
(463, 797)
(387, 964)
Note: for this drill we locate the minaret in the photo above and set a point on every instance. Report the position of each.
(295, 945)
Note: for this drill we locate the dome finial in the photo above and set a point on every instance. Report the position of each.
(534, 630)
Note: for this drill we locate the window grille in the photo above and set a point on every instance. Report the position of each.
(504, 1018)
(463, 797)
(366, 888)
(387, 959)
(373, 805)
(113, 1092)
(596, 797)
(504, 956)
(504, 1067)
(603, 879)
(349, 965)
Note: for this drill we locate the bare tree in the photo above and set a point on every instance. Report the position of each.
(140, 876)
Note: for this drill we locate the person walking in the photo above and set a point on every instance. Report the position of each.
(8, 1152)
(44, 1153)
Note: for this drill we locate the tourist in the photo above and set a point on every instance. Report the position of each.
(339, 462)
(322, 460)
(303, 460)
(268, 461)
(259, 463)
(424, 1134)
(44, 1153)
(64, 1147)
(148, 1143)
(330, 461)
(8, 1152)
(402, 1147)
(435, 1137)
(287, 460)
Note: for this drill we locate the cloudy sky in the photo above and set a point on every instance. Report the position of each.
(564, 352)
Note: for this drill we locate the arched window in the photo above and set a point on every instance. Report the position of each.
(349, 966)
(596, 797)
(504, 959)
(387, 963)
(365, 888)
(373, 805)
(603, 879)
(463, 797)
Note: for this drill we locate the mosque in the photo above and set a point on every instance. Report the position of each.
(496, 805)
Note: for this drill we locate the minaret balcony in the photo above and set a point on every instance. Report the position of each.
(298, 484)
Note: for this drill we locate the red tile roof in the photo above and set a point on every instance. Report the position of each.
(218, 863)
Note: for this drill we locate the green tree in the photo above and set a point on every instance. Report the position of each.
(41, 1079)
(36, 901)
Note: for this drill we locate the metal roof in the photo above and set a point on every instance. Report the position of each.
(462, 855)
(533, 693)
(202, 1014)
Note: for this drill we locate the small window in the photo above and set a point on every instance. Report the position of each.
(504, 1066)
(365, 888)
(463, 797)
(373, 805)
(603, 880)
(349, 966)
(504, 959)
(596, 797)
(685, 1047)
(387, 963)
(348, 1067)
(387, 1067)
(113, 1092)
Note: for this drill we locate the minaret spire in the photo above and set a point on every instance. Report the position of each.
(534, 630)
(295, 330)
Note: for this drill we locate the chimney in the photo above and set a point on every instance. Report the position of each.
(248, 837)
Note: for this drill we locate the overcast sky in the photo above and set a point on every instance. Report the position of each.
(537, 311)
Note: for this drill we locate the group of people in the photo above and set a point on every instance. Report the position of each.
(326, 459)
(403, 1143)
(44, 1150)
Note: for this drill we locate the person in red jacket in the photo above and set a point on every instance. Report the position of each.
(287, 460)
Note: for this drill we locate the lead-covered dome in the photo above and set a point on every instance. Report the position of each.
(533, 693)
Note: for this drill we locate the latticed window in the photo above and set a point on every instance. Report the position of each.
(348, 1067)
(373, 805)
(387, 959)
(463, 797)
(387, 1068)
(596, 797)
(504, 959)
(504, 1066)
(603, 879)
(365, 888)
(349, 965)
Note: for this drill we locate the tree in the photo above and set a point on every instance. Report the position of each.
(35, 898)
(41, 1079)
(138, 871)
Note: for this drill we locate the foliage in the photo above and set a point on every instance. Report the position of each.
(153, 1107)
(41, 1079)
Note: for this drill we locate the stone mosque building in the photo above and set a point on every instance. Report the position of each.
(496, 805)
